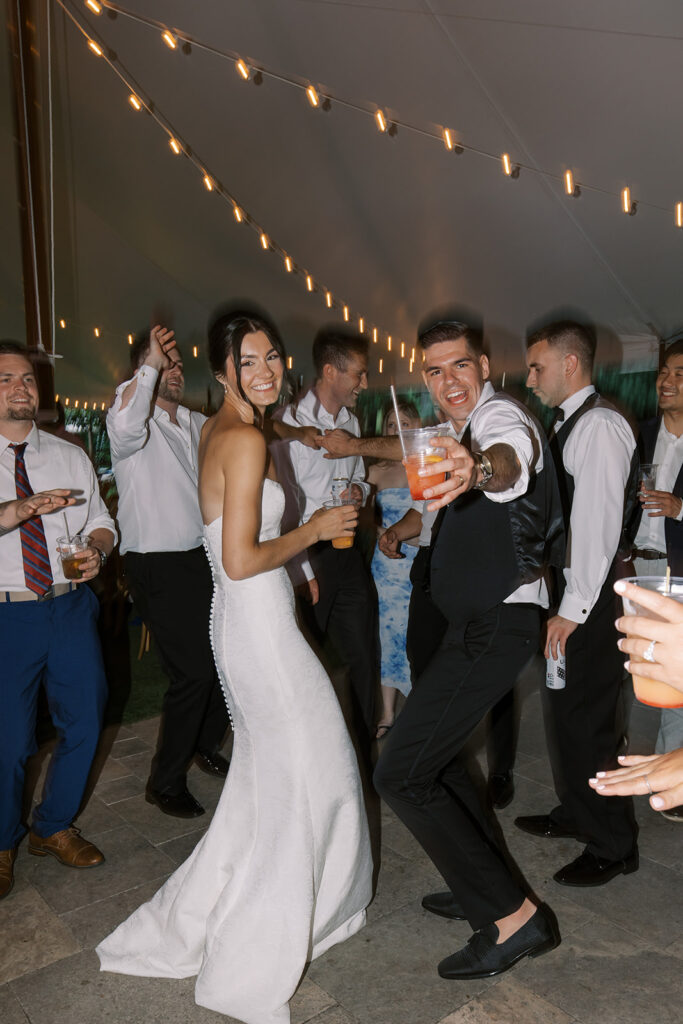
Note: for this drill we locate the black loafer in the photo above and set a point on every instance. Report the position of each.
(212, 764)
(483, 958)
(178, 805)
(543, 825)
(444, 904)
(501, 789)
(588, 869)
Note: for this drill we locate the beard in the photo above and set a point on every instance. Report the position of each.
(27, 412)
(170, 392)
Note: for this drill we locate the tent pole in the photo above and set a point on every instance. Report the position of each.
(25, 19)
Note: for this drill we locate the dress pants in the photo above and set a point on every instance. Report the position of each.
(347, 614)
(426, 629)
(584, 729)
(420, 775)
(172, 591)
(56, 643)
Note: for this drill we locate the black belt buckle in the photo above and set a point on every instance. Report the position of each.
(48, 595)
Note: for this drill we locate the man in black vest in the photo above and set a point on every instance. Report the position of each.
(659, 540)
(501, 510)
(596, 461)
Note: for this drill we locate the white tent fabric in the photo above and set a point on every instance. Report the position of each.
(393, 226)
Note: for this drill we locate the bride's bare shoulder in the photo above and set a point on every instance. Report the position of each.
(232, 440)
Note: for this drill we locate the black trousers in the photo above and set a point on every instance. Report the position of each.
(347, 614)
(420, 775)
(426, 629)
(583, 723)
(172, 592)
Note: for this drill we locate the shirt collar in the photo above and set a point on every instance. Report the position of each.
(182, 414)
(575, 401)
(312, 404)
(488, 391)
(32, 440)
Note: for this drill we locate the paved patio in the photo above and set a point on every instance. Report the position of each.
(620, 962)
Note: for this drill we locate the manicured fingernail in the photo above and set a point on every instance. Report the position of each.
(621, 757)
(620, 586)
(599, 787)
(627, 666)
(600, 775)
(656, 801)
(593, 781)
(619, 643)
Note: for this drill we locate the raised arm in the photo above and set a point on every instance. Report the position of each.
(128, 418)
(242, 459)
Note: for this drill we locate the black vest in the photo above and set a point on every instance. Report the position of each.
(484, 550)
(629, 523)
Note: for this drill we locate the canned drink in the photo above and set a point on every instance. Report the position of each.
(556, 672)
(339, 486)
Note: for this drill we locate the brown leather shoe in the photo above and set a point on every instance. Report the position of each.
(68, 847)
(7, 859)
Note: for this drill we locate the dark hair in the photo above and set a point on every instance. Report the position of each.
(13, 348)
(333, 346)
(404, 405)
(674, 349)
(452, 330)
(228, 331)
(569, 336)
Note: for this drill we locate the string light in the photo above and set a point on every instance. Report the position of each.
(265, 242)
(290, 362)
(328, 300)
(361, 325)
(169, 39)
(381, 365)
(570, 188)
(76, 404)
(679, 215)
(242, 69)
(102, 407)
(238, 214)
(374, 335)
(447, 139)
(134, 102)
(97, 332)
(130, 339)
(627, 205)
(403, 350)
(388, 343)
(313, 97)
(208, 183)
(175, 146)
(509, 169)
(85, 405)
(56, 398)
(195, 351)
(66, 401)
(412, 355)
(288, 264)
(309, 282)
(95, 48)
(380, 120)
(345, 313)
(94, 6)
(62, 324)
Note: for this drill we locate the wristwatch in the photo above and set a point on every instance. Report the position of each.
(483, 463)
(103, 557)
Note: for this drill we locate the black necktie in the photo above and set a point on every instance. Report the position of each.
(557, 421)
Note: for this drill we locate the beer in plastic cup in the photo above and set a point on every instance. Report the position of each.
(651, 691)
(70, 549)
(344, 541)
(419, 453)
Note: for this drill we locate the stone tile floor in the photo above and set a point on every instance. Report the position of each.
(621, 959)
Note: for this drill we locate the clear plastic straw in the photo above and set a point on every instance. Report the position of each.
(398, 419)
(66, 527)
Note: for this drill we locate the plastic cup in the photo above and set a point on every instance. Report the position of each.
(345, 541)
(648, 475)
(651, 691)
(70, 550)
(419, 453)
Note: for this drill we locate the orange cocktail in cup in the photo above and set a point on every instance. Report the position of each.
(420, 454)
(652, 691)
(344, 541)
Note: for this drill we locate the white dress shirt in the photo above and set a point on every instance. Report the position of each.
(496, 420)
(155, 465)
(598, 455)
(668, 458)
(50, 462)
(313, 472)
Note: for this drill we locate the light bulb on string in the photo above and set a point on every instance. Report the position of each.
(62, 324)
(381, 365)
(195, 351)
(56, 398)
(175, 146)
(290, 362)
(380, 120)
(130, 339)
(361, 325)
(289, 266)
(85, 405)
(265, 241)
(96, 332)
(313, 97)
(76, 404)
(388, 343)
(134, 102)
(237, 214)
(374, 335)
(95, 48)
(309, 282)
(208, 183)
(169, 39)
(94, 6)
(628, 205)
(242, 70)
(448, 139)
(679, 215)
(509, 169)
(66, 401)
(328, 300)
(345, 313)
(403, 349)
(570, 187)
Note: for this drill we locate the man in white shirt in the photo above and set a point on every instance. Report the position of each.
(345, 610)
(154, 441)
(48, 624)
(659, 540)
(596, 460)
(499, 525)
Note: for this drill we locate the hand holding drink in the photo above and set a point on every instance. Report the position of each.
(337, 522)
(80, 559)
(422, 459)
(654, 627)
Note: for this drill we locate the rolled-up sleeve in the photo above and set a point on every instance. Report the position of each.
(505, 422)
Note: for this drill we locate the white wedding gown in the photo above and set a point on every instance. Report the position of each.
(284, 871)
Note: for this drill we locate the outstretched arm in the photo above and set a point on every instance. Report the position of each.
(339, 444)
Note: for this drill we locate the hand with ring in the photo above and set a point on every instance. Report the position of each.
(659, 776)
(657, 641)
(462, 470)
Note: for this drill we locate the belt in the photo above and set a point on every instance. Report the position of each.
(56, 590)
(647, 555)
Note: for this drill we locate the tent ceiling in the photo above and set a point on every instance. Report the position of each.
(393, 226)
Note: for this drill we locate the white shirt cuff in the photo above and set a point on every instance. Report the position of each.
(575, 608)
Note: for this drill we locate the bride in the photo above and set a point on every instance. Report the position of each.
(284, 871)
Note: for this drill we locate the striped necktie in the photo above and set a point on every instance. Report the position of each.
(37, 571)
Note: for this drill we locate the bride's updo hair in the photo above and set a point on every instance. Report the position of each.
(228, 331)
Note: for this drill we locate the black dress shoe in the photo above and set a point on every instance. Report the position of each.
(444, 904)
(588, 869)
(501, 789)
(543, 825)
(212, 764)
(483, 958)
(178, 805)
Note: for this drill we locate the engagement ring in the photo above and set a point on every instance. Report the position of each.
(649, 652)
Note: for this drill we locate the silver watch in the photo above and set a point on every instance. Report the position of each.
(483, 463)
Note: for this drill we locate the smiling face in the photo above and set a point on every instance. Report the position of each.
(172, 382)
(670, 385)
(455, 378)
(261, 370)
(345, 385)
(18, 390)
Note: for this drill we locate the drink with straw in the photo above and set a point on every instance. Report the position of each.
(420, 453)
(70, 551)
(651, 691)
